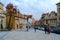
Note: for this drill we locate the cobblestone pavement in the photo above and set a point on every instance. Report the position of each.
(30, 35)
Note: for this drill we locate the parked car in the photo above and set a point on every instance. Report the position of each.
(55, 30)
(51, 29)
(40, 28)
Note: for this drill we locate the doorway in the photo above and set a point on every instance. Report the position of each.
(1, 25)
(17, 25)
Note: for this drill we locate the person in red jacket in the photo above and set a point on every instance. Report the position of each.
(48, 30)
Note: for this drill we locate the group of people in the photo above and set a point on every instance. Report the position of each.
(47, 30)
(28, 27)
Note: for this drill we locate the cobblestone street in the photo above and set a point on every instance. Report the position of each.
(30, 35)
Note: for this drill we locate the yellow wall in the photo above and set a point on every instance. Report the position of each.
(21, 22)
(12, 22)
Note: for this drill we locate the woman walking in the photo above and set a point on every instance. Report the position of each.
(48, 30)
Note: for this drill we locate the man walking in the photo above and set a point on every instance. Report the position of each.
(45, 29)
(35, 28)
(27, 28)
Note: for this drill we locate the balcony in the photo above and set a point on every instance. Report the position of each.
(55, 17)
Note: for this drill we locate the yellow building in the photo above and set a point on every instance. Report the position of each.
(10, 19)
(19, 21)
(22, 21)
(14, 18)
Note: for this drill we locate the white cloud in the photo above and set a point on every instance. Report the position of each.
(34, 6)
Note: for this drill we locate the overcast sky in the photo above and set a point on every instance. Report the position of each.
(33, 7)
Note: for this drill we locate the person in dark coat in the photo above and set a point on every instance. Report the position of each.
(35, 28)
(1, 26)
(27, 28)
(45, 29)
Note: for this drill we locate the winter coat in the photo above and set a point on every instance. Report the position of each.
(48, 30)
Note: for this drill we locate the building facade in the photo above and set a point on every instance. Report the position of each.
(58, 14)
(2, 17)
(52, 18)
(49, 19)
(14, 18)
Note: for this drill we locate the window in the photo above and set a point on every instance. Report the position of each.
(54, 21)
(59, 10)
(59, 18)
(46, 21)
(51, 21)
(58, 5)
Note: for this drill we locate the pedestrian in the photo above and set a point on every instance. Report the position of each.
(27, 28)
(1, 26)
(45, 29)
(48, 30)
(35, 28)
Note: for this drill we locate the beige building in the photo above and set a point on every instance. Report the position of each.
(22, 24)
(2, 17)
(58, 14)
(21, 20)
(14, 18)
(50, 19)
(33, 21)
(53, 19)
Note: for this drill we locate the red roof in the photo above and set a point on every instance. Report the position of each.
(28, 16)
(14, 10)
